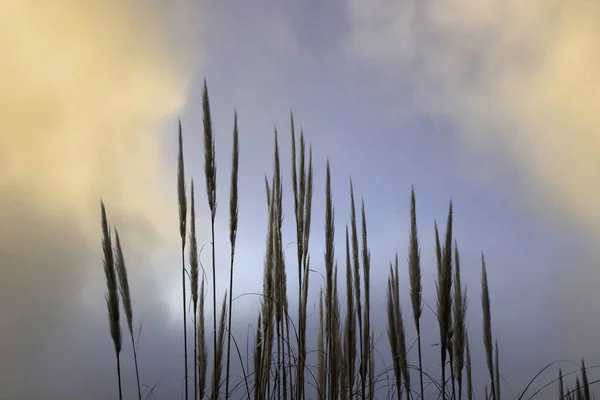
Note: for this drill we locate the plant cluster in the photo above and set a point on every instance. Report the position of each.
(345, 345)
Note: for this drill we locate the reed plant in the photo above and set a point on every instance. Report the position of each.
(345, 340)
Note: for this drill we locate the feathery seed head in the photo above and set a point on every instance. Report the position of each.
(194, 263)
(233, 199)
(111, 296)
(182, 200)
(414, 263)
(210, 168)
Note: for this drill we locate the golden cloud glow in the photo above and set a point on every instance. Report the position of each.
(85, 90)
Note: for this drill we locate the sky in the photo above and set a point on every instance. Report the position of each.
(489, 104)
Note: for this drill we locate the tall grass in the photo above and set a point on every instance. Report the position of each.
(416, 288)
(345, 345)
(460, 311)
(302, 189)
(127, 306)
(194, 262)
(233, 222)
(182, 202)
(111, 296)
(487, 326)
(444, 297)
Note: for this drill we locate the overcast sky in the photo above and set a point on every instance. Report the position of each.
(491, 104)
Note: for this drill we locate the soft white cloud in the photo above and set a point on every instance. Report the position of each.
(517, 78)
(519, 75)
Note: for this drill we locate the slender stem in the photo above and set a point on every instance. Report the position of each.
(452, 377)
(443, 358)
(185, 357)
(137, 373)
(119, 376)
(420, 360)
(212, 228)
(279, 361)
(229, 323)
(195, 354)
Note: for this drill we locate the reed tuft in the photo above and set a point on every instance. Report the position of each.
(345, 356)
(182, 203)
(194, 262)
(487, 325)
(126, 297)
(111, 296)
(233, 224)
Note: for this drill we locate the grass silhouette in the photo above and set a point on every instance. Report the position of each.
(345, 346)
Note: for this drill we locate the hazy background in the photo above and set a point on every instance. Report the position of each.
(492, 104)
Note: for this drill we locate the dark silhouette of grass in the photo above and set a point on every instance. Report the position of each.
(345, 349)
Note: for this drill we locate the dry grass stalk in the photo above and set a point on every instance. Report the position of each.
(416, 288)
(217, 372)
(468, 368)
(298, 214)
(366, 255)
(460, 310)
(233, 222)
(302, 329)
(584, 381)
(111, 296)
(329, 266)
(298, 188)
(210, 168)
(267, 312)
(302, 188)
(451, 364)
(393, 335)
(275, 279)
(344, 393)
(357, 291)
(282, 319)
(561, 390)
(396, 333)
(372, 365)
(438, 249)
(444, 295)
(126, 297)
(401, 333)
(210, 171)
(497, 371)
(487, 325)
(321, 364)
(350, 324)
(257, 358)
(202, 360)
(337, 356)
(194, 282)
(182, 203)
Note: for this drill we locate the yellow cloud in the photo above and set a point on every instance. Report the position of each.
(86, 90)
(523, 74)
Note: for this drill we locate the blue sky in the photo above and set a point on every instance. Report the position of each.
(491, 105)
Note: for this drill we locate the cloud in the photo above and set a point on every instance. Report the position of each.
(519, 83)
(519, 76)
(87, 90)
